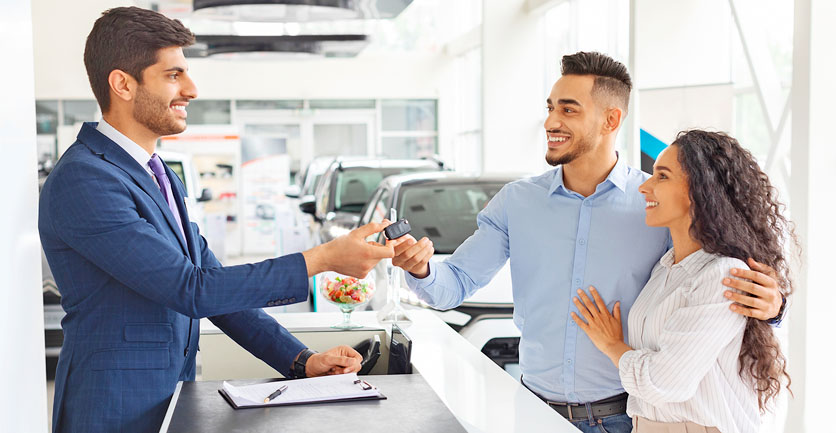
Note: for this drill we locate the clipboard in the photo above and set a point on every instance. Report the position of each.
(338, 400)
(275, 403)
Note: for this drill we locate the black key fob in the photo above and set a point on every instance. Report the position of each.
(397, 229)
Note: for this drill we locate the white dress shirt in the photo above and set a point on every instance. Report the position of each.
(136, 151)
(687, 343)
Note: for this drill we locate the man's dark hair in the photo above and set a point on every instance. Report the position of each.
(611, 77)
(128, 38)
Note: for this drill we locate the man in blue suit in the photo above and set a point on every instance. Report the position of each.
(135, 275)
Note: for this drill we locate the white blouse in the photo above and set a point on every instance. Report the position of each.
(687, 342)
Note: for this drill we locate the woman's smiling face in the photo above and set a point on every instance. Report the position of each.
(668, 203)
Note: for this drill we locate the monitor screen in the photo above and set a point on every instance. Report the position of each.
(400, 351)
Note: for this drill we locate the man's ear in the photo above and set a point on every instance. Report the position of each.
(122, 85)
(613, 117)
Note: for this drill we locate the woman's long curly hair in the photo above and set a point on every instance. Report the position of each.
(735, 213)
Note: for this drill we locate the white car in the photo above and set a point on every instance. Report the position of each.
(443, 207)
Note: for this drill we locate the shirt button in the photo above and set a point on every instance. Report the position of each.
(569, 361)
(582, 241)
(577, 280)
(587, 203)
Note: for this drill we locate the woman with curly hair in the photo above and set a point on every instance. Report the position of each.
(692, 365)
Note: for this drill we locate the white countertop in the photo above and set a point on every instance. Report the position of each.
(482, 396)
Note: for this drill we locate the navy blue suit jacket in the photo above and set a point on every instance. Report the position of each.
(134, 291)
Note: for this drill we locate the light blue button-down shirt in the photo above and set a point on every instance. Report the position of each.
(558, 241)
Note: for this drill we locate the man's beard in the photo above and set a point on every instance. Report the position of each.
(582, 146)
(154, 114)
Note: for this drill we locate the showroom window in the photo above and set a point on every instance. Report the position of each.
(209, 112)
(409, 128)
(80, 111)
(277, 104)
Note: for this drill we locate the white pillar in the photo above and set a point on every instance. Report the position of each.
(23, 401)
(513, 103)
(813, 207)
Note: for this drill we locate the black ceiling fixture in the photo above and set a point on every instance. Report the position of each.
(320, 45)
(298, 10)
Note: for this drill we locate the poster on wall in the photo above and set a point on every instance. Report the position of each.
(265, 173)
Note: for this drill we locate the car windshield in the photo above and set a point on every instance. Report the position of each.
(309, 188)
(356, 185)
(445, 213)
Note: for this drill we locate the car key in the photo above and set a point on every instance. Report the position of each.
(396, 229)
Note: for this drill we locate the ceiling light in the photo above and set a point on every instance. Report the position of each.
(298, 10)
(265, 47)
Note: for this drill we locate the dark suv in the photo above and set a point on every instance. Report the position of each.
(348, 184)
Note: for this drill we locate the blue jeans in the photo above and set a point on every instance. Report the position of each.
(608, 424)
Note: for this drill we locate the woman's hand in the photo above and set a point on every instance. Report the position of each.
(603, 328)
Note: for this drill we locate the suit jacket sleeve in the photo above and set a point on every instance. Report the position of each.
(254, 329)
(96, 215)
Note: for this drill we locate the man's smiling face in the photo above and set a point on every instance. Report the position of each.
(162, 98)
(573, 120)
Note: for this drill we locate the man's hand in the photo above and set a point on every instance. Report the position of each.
(413, 256)
(761, 282)
(349, 254)
(337, 360)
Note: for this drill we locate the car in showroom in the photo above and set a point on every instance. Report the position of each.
(443, 207)
(303, 190)
(348, 184)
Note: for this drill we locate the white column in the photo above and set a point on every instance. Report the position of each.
(813, 208)
(23, 400)
(512, 93)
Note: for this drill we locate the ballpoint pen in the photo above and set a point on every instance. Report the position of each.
(276, 393)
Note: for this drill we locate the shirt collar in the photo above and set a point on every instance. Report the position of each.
(134, 150)
(617, 176)
(691, 264)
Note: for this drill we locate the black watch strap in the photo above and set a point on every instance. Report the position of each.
(298, 370)
(775, 321)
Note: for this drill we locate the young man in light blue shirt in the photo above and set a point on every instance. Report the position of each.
(578, 225)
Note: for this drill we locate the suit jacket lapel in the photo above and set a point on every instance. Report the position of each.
(110, 151)
(180, 201)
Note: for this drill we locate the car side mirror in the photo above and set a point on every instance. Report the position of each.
(205, 195)
(308, 206)
(292, 191)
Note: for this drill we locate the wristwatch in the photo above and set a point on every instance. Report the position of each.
(775, 321)
(298, 369)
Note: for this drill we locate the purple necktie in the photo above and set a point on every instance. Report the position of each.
(165, 187)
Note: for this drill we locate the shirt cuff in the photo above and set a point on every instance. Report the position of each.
(626, 371)
(421, 283)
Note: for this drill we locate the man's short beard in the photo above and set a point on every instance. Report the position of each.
(563, 159)
(583, 146)
(153, 113)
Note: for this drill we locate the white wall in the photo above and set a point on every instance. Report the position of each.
(813, 208)
(683, 42)
(61, 28)
(513, 101)
(665, 112)
(23, 400)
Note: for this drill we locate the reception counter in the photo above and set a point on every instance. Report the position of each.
(481, 396)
